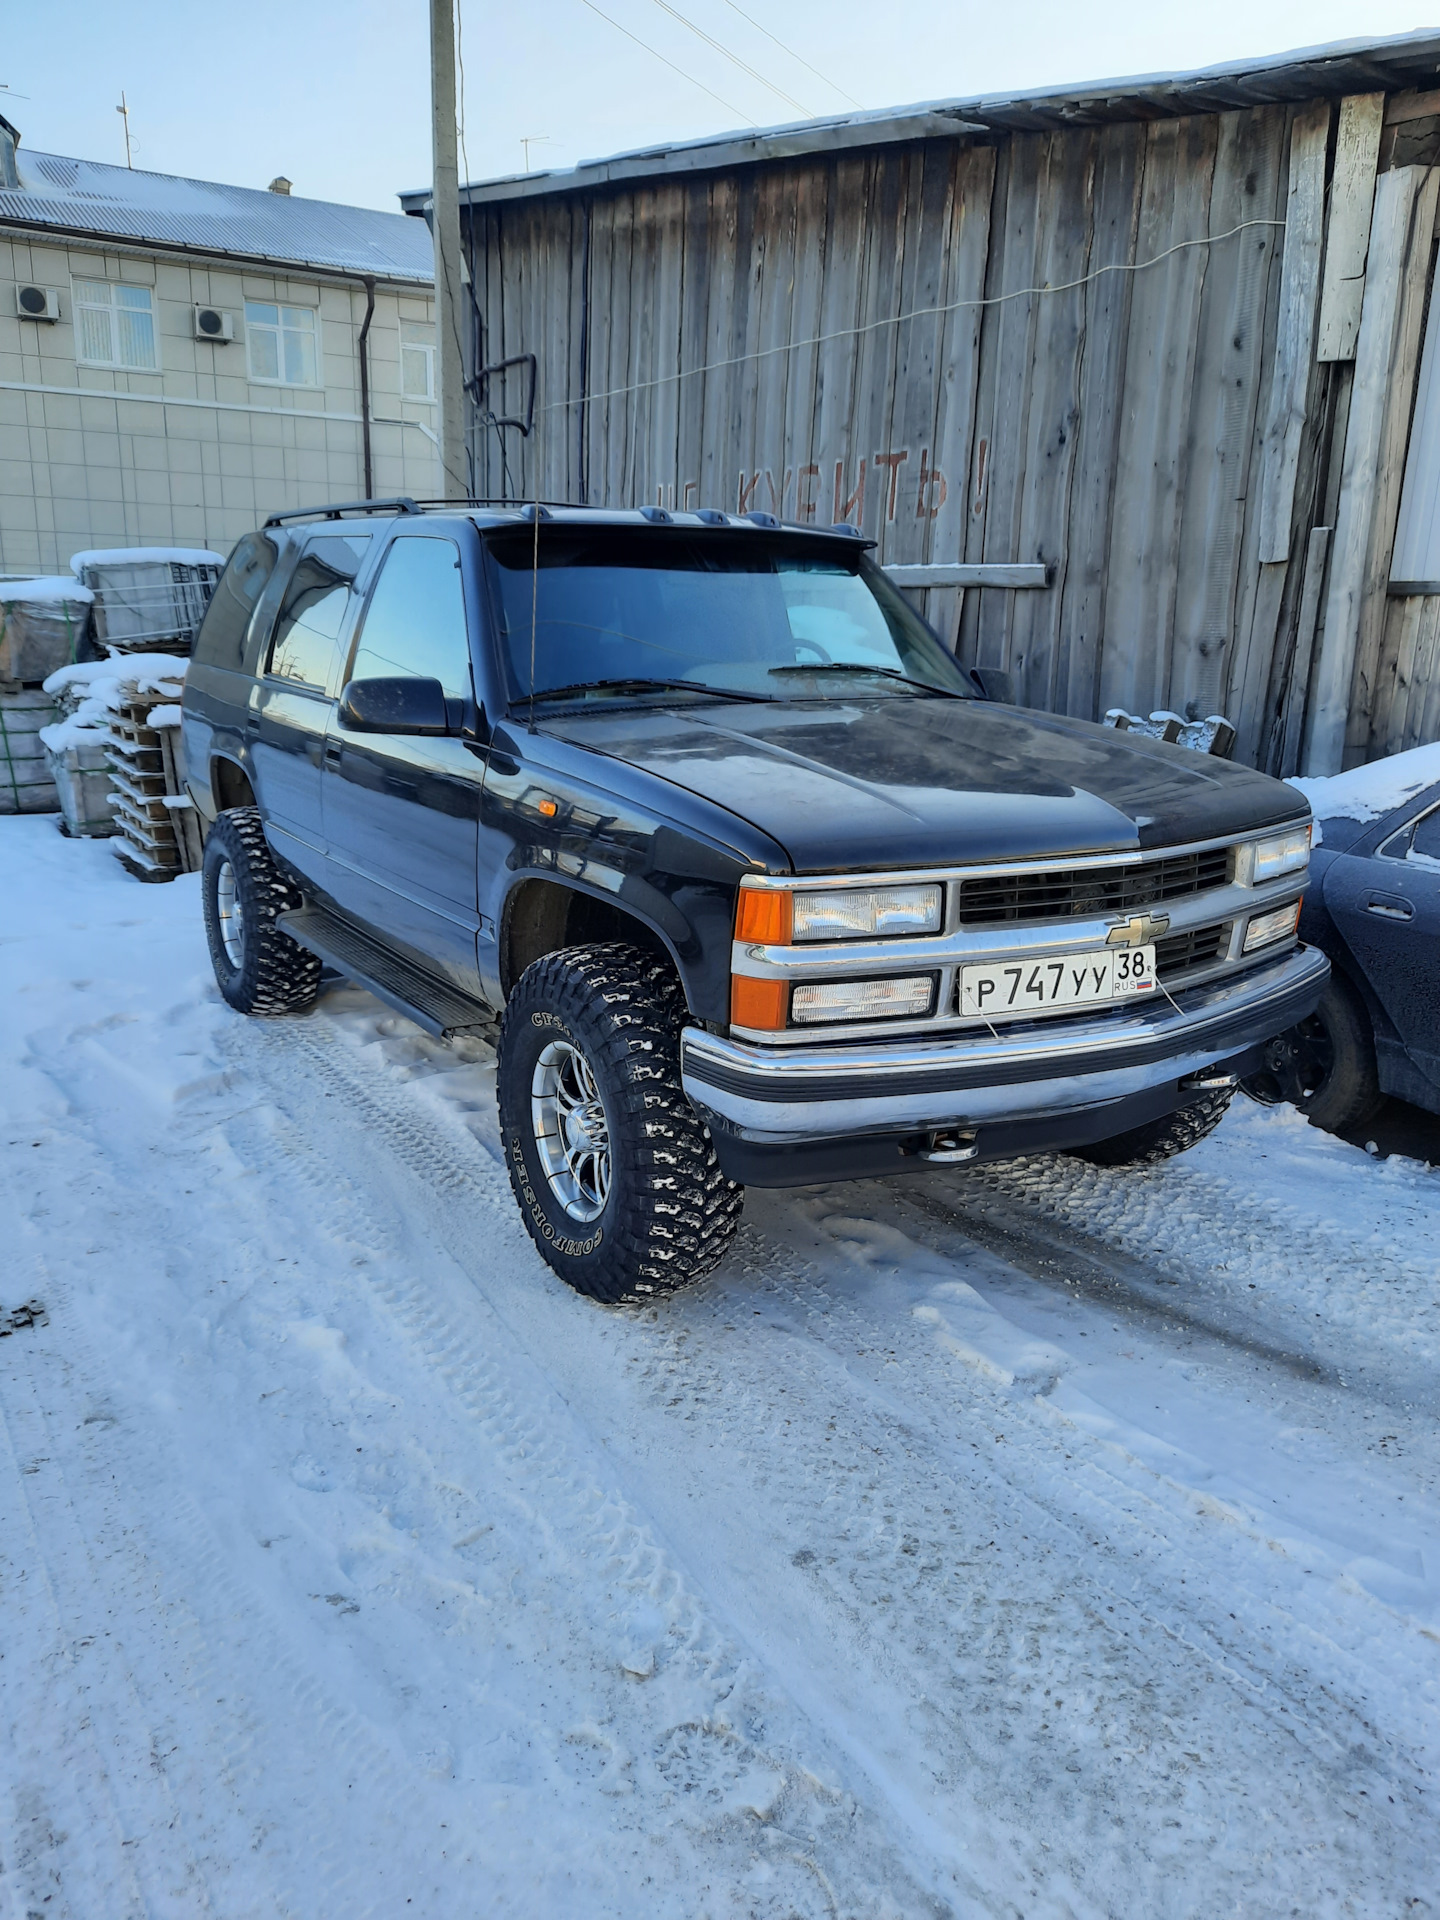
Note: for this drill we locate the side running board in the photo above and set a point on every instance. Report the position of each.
(440, 1009)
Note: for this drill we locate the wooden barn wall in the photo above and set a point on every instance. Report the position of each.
(1161, 435)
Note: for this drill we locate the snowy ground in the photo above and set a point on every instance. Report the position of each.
(1035, 1542)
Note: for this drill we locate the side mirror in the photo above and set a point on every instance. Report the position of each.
(394, 706)
(994, 684)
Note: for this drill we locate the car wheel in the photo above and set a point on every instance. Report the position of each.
(614, 1171)
(1160, 1139)
(1325, 1066)
(258, 968)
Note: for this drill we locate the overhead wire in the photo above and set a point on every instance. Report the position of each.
(799, 58)
(916, 313)
(734, 58)
(662, 58)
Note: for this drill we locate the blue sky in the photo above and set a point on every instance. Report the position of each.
(336, 96)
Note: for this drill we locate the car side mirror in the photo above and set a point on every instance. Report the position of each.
(995, 684)
(396, 705)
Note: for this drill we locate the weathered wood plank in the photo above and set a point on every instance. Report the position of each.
(1352, 196)
(1295, 335)
(1057, 349)
(841, 299)
(1119, 166)
(966, 244)
(1316, 549)
(1374, 683)
(1225, 396)
(1159, 369)
(1389, 247)
(1019, 577)
(714, 456)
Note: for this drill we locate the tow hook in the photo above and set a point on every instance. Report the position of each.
(951, 1147)
(1209, 1080)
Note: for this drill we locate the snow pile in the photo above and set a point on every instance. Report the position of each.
(139, 556)
(1369, 793)
(50, 590)
(90, 692)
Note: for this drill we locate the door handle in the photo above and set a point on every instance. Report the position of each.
(252, 723)
(1390, 906)
(332, 754)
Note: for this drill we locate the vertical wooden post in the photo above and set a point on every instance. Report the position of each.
(1352, 194)
(1390, 234)
(1295, 333)
(445, 229)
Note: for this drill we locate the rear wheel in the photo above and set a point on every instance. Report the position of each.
(1325, 1065)
(1160, 1139)
(258, 968)
(613, 1169)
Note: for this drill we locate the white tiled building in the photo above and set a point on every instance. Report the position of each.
(124, 423)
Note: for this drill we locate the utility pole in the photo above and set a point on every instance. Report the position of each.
(445, 230)
(124, 113)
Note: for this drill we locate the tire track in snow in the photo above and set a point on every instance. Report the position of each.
(727, 1731)
(1329, 1734)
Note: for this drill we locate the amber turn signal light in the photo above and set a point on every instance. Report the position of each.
(764, 918)
(759, 1004)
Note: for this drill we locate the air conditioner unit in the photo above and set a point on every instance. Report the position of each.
(213, 325)
(37, 303)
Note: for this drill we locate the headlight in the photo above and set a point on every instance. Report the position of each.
(870, 913)
(1287, 852)
(1266, 928)
(909, 998)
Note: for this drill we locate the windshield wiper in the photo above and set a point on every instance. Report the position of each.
(638, 685)
(886, 673)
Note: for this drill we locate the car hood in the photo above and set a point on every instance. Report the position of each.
(899, 782)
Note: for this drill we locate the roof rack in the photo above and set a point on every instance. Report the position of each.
(401, 504)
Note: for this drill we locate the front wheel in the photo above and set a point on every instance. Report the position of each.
(1325, 1065)
(613, 1169)
(1160, 1139)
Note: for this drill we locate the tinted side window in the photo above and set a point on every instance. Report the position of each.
(415, 622)
(221, 639)
(1426, 839)
(314, 609)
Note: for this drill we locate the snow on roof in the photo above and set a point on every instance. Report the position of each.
(91, 197)
(1407, 61)
(1369, 793)
(135, 556)
(49, 589)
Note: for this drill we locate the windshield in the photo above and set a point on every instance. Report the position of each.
(766, 618)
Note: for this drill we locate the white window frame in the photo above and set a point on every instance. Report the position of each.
(427, 347)
(82, 304)
(254, 327)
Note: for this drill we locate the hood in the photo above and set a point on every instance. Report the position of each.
(895, 782)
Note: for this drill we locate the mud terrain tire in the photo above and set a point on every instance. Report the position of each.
(258, 968)
(596, 1027)
(1160, 1139)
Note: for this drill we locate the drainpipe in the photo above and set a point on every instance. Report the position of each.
(363, 350)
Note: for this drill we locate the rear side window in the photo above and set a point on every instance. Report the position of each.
(415, 623)
(221, 639)
(314, 609)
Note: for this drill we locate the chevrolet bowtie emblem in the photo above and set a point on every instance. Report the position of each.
(1138, 931)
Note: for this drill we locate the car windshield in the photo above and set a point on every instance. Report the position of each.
(765, 617)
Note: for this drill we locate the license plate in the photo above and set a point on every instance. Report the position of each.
(1048, 986)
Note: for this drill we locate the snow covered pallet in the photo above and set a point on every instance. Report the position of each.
(148, 798)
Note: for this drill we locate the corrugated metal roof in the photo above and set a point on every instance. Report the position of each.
(88, 197)
(1402, 62)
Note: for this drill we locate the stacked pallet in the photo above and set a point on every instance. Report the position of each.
(124, 712)
(26, 785)
(152, 810)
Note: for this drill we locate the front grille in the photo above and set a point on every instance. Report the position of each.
(1183, 951)
(1089, 893)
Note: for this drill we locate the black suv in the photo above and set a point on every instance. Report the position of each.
(750, 881)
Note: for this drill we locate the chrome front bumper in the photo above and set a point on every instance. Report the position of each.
(1048, 1067)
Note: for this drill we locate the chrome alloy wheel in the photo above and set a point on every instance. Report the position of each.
(232, 915)
(572, 1135)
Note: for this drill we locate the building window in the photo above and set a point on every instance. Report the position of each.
(280, 344)
(115, 325)
(417, 359)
